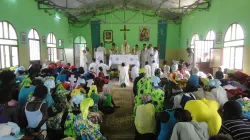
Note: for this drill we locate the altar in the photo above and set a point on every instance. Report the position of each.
(119, 59)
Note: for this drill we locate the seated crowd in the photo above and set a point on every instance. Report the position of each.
(57, 102)
(179, 105)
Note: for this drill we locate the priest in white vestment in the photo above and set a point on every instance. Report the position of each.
(150, 54)
(93, 65)
(125, 48)
(135, 71)
(190, 62)
(105, 68)
(148, 69)
(154, 66)
(84, 62)
(123, 76)
(144, 55)
(102, 49)
(156, 56)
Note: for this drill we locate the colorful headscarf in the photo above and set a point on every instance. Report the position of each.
(26, 82)
(92, 89)
(142, 70)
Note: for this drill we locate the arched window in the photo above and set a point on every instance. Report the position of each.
(8, 46)
(211, 35)
(79, 46)
(194, 38)
(51, 44)
(233, 47)
(34, 45)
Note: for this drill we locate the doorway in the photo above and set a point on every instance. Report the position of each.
(79, 46)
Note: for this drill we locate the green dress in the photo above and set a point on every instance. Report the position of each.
(145, 87)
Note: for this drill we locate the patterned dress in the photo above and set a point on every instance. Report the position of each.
(145, 87)
(82, 129)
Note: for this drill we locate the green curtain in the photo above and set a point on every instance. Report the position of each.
(162, 37)
(95, 34)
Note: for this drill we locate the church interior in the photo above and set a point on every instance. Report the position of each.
(124, 70)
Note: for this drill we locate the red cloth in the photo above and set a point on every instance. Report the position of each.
(52, 66)
(233, 92)
(66, 85)
(241, 77)
(72, 67)
(59, 65)
(66, 66)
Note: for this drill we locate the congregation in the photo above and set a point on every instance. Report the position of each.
(61, 101)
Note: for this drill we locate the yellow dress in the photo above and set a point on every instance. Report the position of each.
(145, 119)
(205, 111)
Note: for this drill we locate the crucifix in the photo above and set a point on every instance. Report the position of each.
(124, 30)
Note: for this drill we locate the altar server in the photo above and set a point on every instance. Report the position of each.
(148, 69)
(144, 55)
(154, 66)
(123, 77)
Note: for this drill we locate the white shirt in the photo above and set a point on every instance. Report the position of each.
(150, 52)
(125, 50)
(191, 61)
(156, 56)
(154, 67)
(93, 65)
(101, 49)
(124, 77)
(148, 70)
(104, 67)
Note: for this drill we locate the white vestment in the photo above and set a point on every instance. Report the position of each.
(148, 70)
(102, 49)
(154, 66)
(84, 62)
(134, 72)
(125, 49)
(124, 77)
(144, 57)
(104, 67)
(156, 57)
(191, 61)
(94, 66)
(150, 55)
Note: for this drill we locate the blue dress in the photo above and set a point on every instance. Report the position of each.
(167, 128)
(61, 77)
(24, 94)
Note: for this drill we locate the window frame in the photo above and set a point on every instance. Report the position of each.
(237, 46)
(51, 34)
(39, 40)
(210, 35)
(194, 40)
(10, 46)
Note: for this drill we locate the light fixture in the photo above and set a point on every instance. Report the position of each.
(57, 17)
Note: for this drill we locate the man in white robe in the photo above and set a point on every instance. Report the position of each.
(102, 49)
(105, 68)
(190, 58)
(125, 48)
(93, 65)
(150, 54)
(144, 55)
(156, 56)
(124, 76)
(84, 62)
(135, 71)
(148, 69)
(154, 66)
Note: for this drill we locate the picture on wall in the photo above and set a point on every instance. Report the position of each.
(108, 36)
(218, 38)
(23, 38)
(144, 34)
